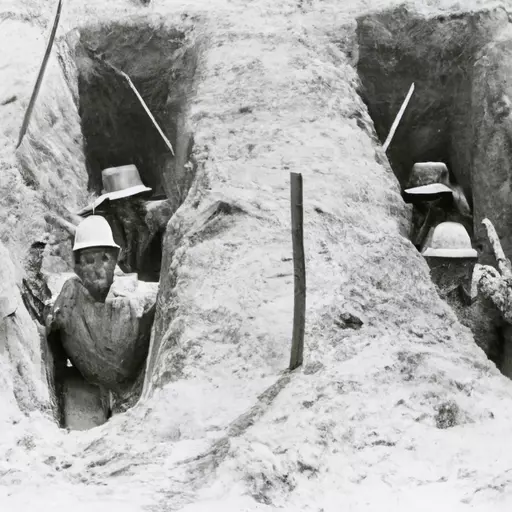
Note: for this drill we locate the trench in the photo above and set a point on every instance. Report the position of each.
(399, 47)
(451, 118)
(116, 129)
(161, 62)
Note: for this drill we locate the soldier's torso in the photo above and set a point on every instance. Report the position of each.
(107, 342)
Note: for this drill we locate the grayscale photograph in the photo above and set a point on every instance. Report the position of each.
(256, 255)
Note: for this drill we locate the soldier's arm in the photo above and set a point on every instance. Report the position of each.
(52, 321)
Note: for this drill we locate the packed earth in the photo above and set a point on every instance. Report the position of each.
(403, 402)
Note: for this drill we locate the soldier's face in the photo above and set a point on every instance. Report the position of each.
(95, 267)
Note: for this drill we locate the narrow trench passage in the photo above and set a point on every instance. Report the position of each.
(97, 368)
(118, 132)
(116, 129)
(447, 117)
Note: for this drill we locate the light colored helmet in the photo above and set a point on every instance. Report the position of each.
(118, 182)
(449, 240)
(429, 178)
(123, 181)
(94, 231)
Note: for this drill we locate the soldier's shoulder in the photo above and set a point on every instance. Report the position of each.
(70, 286)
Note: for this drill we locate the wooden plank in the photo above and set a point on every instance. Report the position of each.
(39, 81)
(504, 265)
(299, 270)
(398, 117)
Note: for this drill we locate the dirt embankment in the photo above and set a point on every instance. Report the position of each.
(388, 403)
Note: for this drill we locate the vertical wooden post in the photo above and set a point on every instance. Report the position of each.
(299, 271)
(39, 80)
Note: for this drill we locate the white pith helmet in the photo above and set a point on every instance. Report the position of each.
(94, 231)
(449, 240)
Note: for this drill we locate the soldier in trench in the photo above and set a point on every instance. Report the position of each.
(138, 224)
(451, 259)
(435, 200)
(104, 334)
(442, 222)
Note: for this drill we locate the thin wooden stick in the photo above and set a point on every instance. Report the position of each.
(39, 81)
(299, 266)
(59, 222)
(398, 117)
(503, 262)
(142, 102)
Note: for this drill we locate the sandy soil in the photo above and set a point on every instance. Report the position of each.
(403, 414)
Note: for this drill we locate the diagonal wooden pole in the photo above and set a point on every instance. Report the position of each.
(39, 81)
(398, 117)
(141, 100)
(299, 271)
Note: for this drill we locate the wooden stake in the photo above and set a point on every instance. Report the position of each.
(398, 117)
(39, 81)
(503, 262)
(299, 268)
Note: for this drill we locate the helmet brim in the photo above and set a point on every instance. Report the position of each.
(112, 196)
(449, 253)
(127, 192)
(94, 243)
(433, 188)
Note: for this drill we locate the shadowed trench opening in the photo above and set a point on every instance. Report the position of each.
(453, 110)
(117, 131)
(398, 47)
(116, 128)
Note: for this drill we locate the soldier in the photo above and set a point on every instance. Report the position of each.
(451, 259)
(105, 335)
(450, 256)
(435, 200)
(95, 254)
(136, 227)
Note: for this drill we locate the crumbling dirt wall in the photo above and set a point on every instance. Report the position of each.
(46, 173)
(21, 350)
